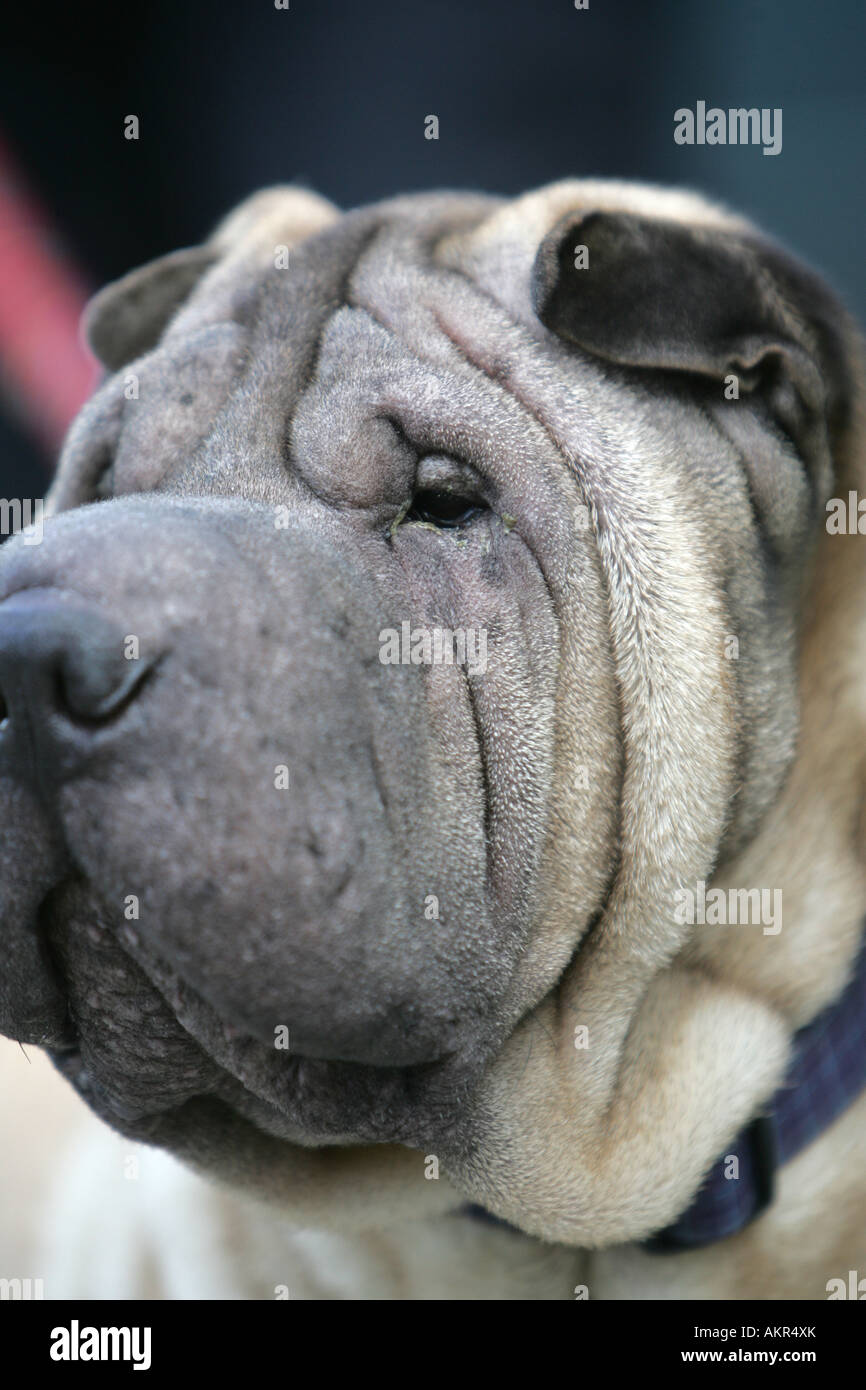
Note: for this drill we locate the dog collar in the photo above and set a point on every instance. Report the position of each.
(826, 1073)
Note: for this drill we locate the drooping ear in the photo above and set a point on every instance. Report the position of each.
(668, 296)
(128, 317)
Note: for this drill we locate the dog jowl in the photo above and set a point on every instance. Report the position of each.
(225, 816)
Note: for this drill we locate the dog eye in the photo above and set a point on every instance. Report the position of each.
(446, 509)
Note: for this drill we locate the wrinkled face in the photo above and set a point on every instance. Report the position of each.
(317, 694)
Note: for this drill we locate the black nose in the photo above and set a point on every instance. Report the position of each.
(65, 671)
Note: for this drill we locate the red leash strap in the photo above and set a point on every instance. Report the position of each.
(45, 366)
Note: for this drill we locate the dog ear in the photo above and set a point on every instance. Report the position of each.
(664, 295)
(128, 317)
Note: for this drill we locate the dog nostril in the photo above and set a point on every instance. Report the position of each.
(64, 698)
(62, 666)
(96, 690)
(91, 687)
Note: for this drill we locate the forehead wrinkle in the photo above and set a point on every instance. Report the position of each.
(286, 314)
(411, 319)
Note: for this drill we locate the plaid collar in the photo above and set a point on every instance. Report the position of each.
(826, 1073)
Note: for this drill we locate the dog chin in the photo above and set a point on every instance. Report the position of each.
(332, 1104)
(151, 1057)
(235, 1105)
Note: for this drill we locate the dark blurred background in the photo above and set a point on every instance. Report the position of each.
(233, 95)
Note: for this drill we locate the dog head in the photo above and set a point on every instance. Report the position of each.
(377, 652)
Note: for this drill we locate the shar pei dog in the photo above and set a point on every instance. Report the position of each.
(433, 757)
